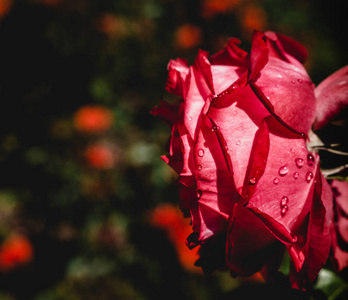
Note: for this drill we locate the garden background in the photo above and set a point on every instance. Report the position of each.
(88, 210)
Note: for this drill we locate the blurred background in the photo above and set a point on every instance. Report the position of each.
(88, 210)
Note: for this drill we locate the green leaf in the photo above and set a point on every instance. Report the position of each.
(331, 284)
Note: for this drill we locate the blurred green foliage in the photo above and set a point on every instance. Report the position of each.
(88, 225)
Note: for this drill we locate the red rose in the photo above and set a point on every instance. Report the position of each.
(238, 143)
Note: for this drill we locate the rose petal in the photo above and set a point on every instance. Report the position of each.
(289, 90)
(215, 185)
(178, 70)
(286, 182)
(238, 116)
(257, 161)
(286, 48)
(332, 97)
(317, 247)
(249, 242)
(195, 99)
(282, 128)
(258, 55)
(224, 76)
(231, 55)
(341, 194)
(202, 64)
(169, 113)
(340, 226)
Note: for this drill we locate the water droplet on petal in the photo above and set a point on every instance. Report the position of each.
(294, 239)
(199, 167)
(309, 176)
(199, 194)
(238, 142)
(241, 125)
(299, 80)
(200, 152)
(284, 201)
(235, 112)
(299, 162)
(310, 159)
(296, 175)
(277, 85)
(284, 210)
(213, 96)
(293, 81)
(252, 180)
(190, 118)
(283, 170)
(276, 180)
(292, 150)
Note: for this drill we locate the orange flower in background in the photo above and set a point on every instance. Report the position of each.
(100, 156)
(5, 7)
(171, 220)
(110, 25)
(93, 119)
(14, 251)
(212, 7)
(254, 17)
(187, 36)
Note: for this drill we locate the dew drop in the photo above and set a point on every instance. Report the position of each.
(215, 128)
(277, 85)
(212, 97)
(252, 180)
(310, 159)
(292, 150)
(235, 112)
(199, 167)
(238, 142)
(276, 180)
(241, 125)
(309, 176)
(199, 194)
(200, 152)
(296, 175)
(299, 162)
(294, 239)
(293, 81)
(284, 201)
(299, 80)
(283, 170)
(284, 210)
(190, 118)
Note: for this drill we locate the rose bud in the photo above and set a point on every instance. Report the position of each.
(238, 142)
